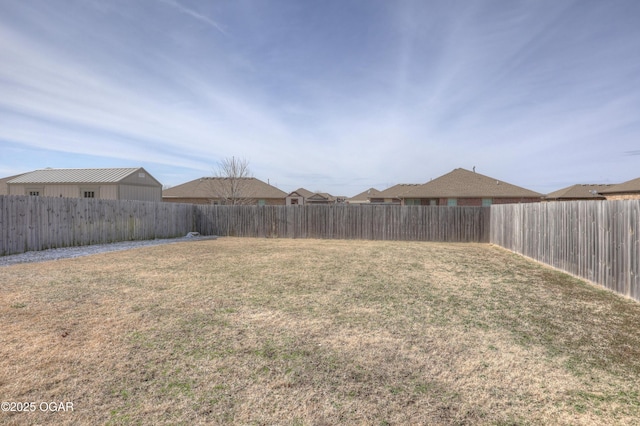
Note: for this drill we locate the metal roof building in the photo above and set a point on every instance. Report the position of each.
(132, 183)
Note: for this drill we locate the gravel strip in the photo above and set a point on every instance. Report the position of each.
(70, 252)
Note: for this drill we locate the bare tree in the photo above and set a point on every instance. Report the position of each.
(231, 181)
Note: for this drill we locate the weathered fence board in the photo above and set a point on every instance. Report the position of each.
(38, 223)
(595, 240)
(376, 222)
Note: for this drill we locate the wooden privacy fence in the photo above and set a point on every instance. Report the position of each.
(595, 240)
(370, 222)
(38, 223)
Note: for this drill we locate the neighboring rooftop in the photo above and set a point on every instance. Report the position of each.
(461, 183)
(208, 187)
(302, 192)
(44, 176)
(364, 196)
(579, 192)
(397, 191)
(632, 186)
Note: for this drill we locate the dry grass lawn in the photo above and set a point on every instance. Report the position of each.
(315, 332)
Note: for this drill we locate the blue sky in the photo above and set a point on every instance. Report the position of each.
(337, 95)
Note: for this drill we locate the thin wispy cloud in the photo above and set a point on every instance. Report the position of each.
(338, 96)
(199, 16)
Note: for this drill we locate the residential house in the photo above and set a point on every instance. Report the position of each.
(578, 192)
(297, 197)
(133, 183)
(221, 190)
(462, 187)
(303, 196)
(629, 190)
(394, 194)
(364, 197)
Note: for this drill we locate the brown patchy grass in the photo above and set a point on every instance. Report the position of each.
(313, 332)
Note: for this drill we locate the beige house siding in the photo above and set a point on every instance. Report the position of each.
(58, 190)
(4, 187)
(142, 193)
(105, 192)
(109, 192)
(22, 190)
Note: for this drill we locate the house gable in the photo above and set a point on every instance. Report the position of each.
(140, 177)
(364, 197)
(318, 198)
(301, 192)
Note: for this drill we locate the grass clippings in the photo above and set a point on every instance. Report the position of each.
(315, 332)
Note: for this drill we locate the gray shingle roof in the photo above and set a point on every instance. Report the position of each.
(364, 196)
(111, 175)
(579, 191)
(632, 185)
(397, 191)
(302, 192)
(461, 183)
(211, 187)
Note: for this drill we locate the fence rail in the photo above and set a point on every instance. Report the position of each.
(373, 222)
(38, 223)
(595, 240)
